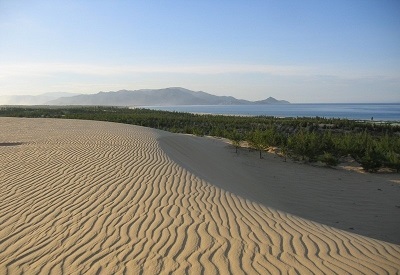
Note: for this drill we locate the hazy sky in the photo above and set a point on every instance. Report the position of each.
(301, 51)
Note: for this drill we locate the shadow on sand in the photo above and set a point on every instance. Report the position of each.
(10, 143)
(364, 204)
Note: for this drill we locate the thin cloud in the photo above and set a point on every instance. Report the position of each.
(48, 69)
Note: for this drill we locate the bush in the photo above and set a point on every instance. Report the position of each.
(393, 161)
(235, 137)
(371, 161)
(329, 159)
(305, 144)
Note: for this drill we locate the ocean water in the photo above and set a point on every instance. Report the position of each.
(360, 111)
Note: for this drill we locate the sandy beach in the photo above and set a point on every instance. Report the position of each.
(88, 197)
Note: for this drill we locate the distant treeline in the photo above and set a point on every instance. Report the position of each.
(373, 145)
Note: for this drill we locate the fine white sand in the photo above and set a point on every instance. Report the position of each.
(105, 198)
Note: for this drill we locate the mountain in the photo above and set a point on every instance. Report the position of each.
(157, 97)
(271, 100)
(32, 99)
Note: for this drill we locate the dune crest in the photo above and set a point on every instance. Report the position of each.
(96, 197)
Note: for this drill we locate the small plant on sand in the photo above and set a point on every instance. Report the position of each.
(236, 138)
(284, 151)
(256, 141)
(371, 161)
(329, 159)
(393, 161)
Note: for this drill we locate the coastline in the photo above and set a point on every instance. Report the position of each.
(361, 111)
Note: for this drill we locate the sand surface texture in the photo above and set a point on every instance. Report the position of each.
(104, 198)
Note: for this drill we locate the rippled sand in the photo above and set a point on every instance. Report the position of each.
(96, 197)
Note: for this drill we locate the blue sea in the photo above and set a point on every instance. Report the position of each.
(360, 111)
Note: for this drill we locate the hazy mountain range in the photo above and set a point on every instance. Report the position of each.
(32, 99)
(147, 97)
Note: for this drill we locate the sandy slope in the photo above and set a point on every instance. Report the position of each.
(96, 197)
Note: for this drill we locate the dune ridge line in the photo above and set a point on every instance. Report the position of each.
(91, 197)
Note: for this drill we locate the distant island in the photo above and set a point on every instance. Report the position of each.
(147, 97)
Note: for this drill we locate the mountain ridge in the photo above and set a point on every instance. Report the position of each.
(32, 99)
(157, 97)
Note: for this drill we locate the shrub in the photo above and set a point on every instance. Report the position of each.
(235, 137)
(393, 161)
(371, 161)
(329, 159)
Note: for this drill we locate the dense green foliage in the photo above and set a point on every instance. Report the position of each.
(373, 145)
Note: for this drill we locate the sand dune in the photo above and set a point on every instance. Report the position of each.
(104, 198)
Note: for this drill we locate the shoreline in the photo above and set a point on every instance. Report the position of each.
(394, 121)
(277, 113)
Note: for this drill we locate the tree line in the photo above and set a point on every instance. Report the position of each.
(373, 145)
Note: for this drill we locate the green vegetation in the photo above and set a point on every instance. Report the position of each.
(373, 145)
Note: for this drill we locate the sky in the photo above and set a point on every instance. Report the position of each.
(300, 51)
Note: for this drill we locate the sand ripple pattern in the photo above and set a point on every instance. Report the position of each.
(84, 197)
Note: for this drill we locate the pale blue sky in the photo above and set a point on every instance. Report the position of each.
(301, 51)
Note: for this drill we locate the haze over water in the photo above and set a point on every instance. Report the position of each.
(362, 111)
